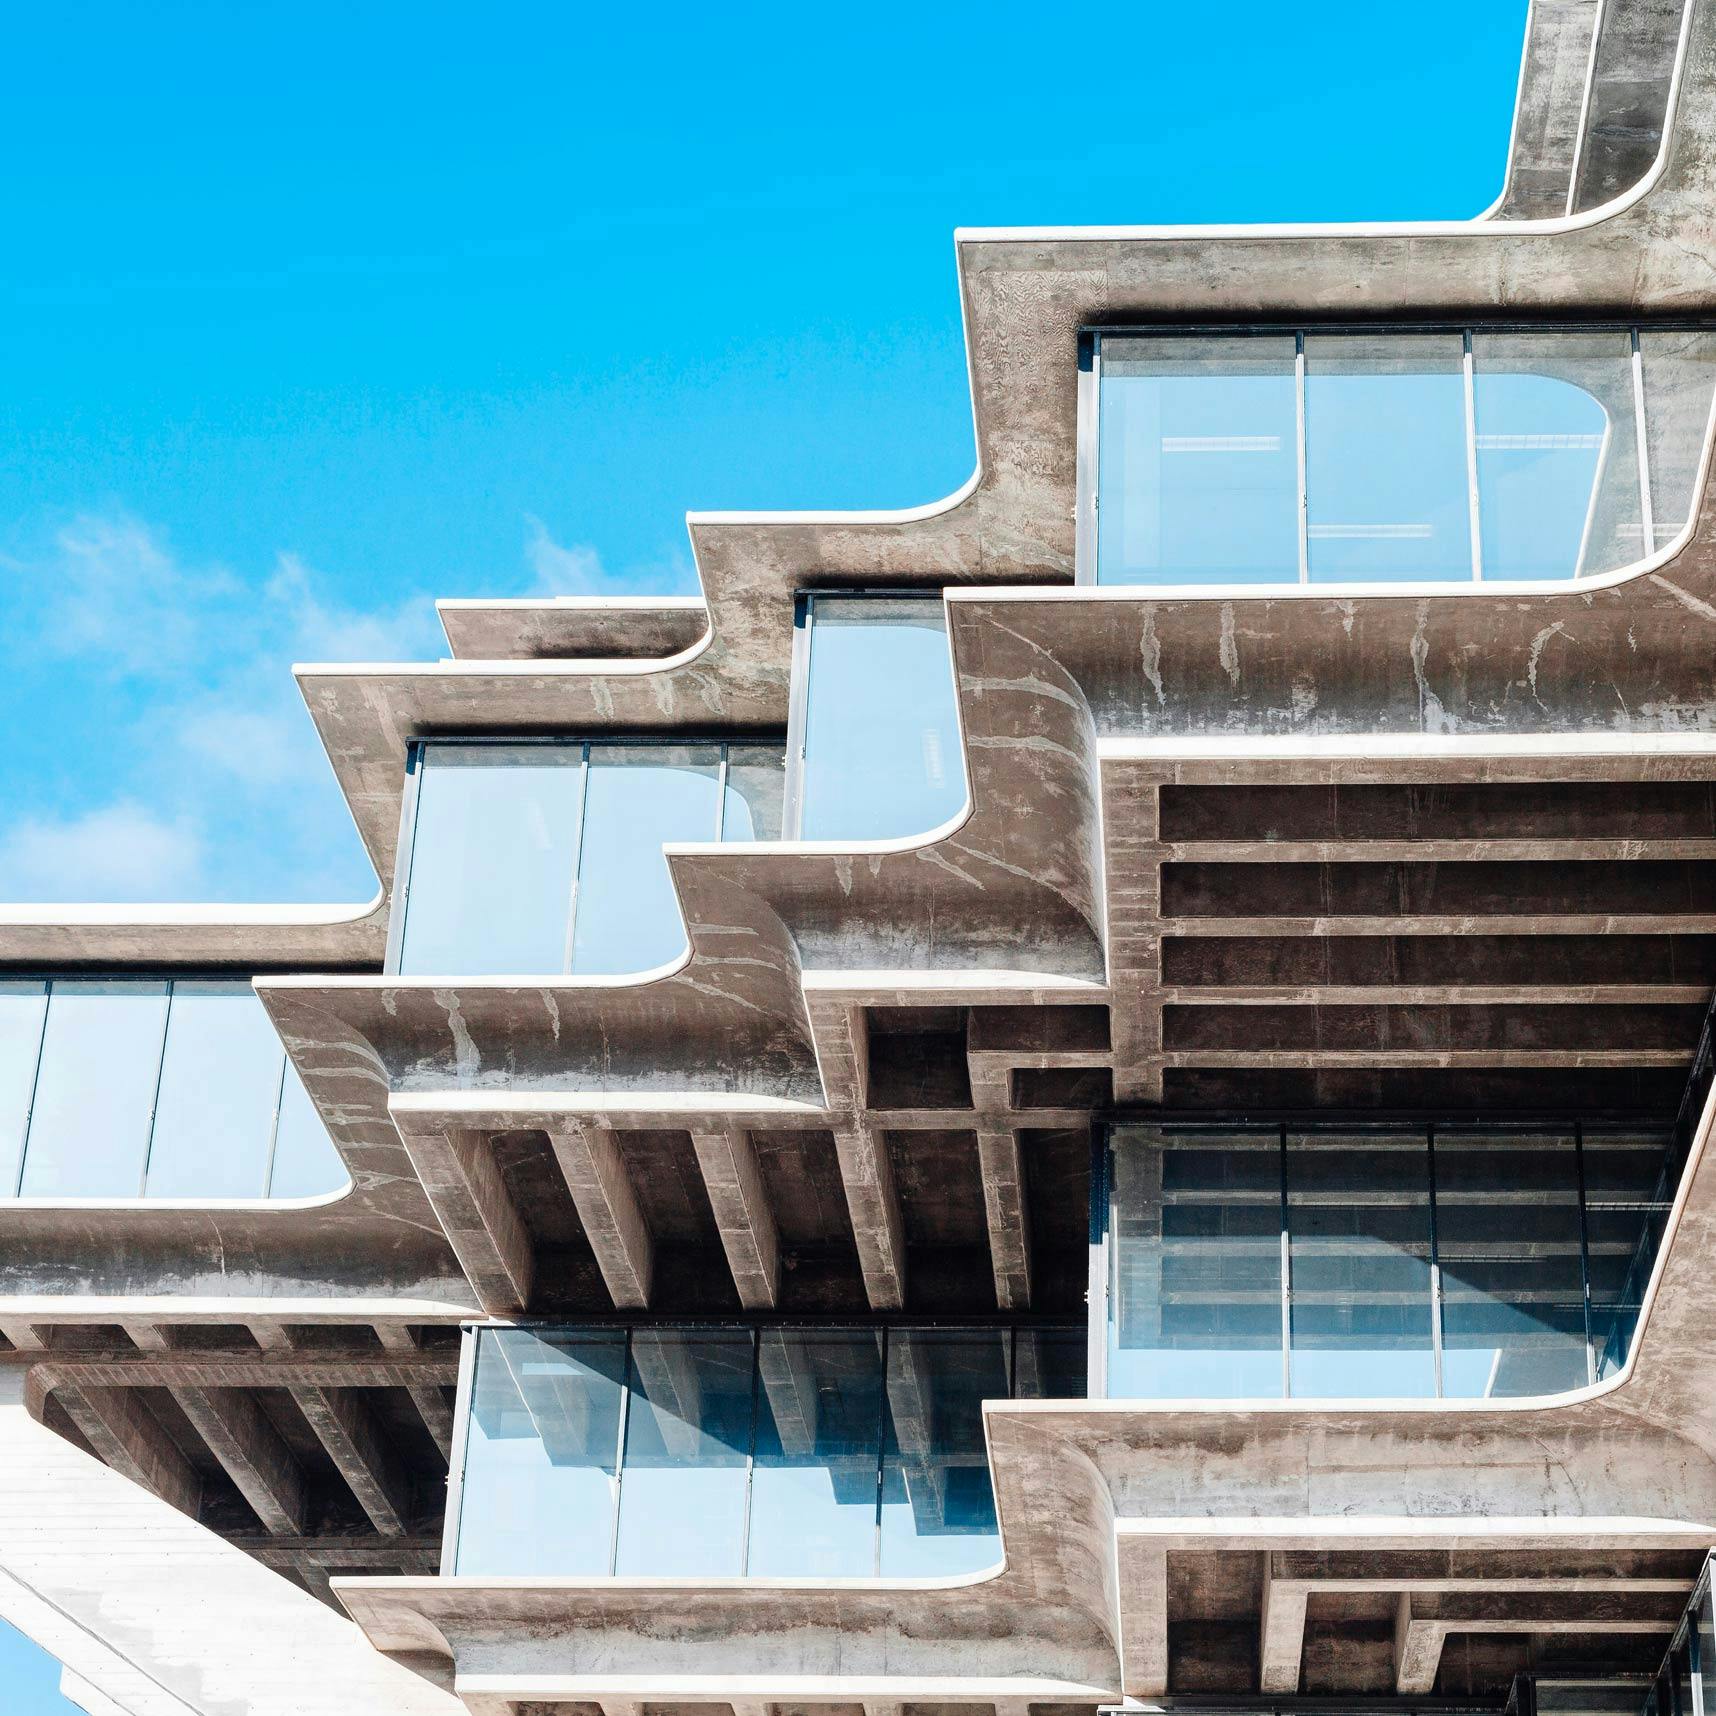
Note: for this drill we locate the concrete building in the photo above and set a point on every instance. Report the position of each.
(1097, 1092)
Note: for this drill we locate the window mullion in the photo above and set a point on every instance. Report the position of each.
(1299, 441)
(1647, 518)
(577, 854)
(1467, 370)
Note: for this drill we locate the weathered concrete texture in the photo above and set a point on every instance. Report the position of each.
(1549, 113)
(615, 628)
(161, 1614)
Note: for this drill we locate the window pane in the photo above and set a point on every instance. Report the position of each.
(220, 1081)
(1557, 453)
(1387, 491)
(101, 1056)
(882, 756)
(639, 797)
(1627, 1199)
(306, 1164)
(938, 1505)
(819, 1431)
(22, 1009)
(1507, 1243)
(1358, 1215)
(538, 1493)
(1198, 461)
(688, 1435)
(1679, 375)
(756, 783)
(491, 860)
(1195, 1251)
(1050, 1364)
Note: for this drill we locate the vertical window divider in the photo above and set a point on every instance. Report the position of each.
(625, 1414)
(274, 1126)
(577, 859)
(1086, 536)
(1469, 376)
(1299, 445)
(35, 1082)
(464, 1411)
(1436, 1301)
(721, 796)
(881, 1459)
(404, 851)
(1647, 518)
(750, 1449)
(1098, 1292)
(798, 716)
(155, 1094)
(1286, 1280)
(1585, 1254)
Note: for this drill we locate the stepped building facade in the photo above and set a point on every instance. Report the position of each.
(1096, 1094)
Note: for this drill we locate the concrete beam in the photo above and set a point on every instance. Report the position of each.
(118, 1425)
(1001, 1161)
(25, 1337)
(477, 1214)
(368, 1463)
(1281, 1646)
(867, 1174)
(728, 1160)
(251, 1451)
(596, 1176)
(148, 1337)
(427, 1397)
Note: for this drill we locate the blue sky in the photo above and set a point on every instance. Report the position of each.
(313, 315)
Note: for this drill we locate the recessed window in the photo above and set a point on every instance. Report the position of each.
(1389, 455)
(119, 1088)
(875, 743)
(535, 859)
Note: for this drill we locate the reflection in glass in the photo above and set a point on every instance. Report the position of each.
(1199, 461)
(819, 1428)
(881, 746)
(538, 859)
(688, 1436)
(638, 798)
(1557, 454)
(23, 1009)
(1386, 486)
(1508, 1249)
(1459, 1261)
(938, 1504)
(1358, 1222)
(120, 1088)
(493, 852)
(305, 1162)
(779, 1453)
(541, 1443)
(220, 1083)
(1678, 367)
(1195, 1265)
(95, 1091)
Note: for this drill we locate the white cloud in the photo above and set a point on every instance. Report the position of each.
(577, 570)
(120, 852)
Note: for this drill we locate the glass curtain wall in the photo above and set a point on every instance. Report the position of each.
(156, 1088)
(766, 1452)
(875, 742)
(1376, 1261)
(536, 859)
(1394, 455)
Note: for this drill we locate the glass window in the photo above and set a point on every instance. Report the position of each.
(541, 1443)
(1195, 1265)
(881, 753)
(23, 1008)
(1557, 453)
(1679, 372)
(1358, 1222)
(1198, 461)
(637, 799)
(1508, 1251)
(818, 1449)
(95, 1091)
(938, 1504)
(1386, 485)
(220, 1084)
(493, 851)
(1627, 1200)
(756, 783)
(688, 1439)
(305, 1163)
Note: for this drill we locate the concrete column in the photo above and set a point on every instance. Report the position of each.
(867, 1174)
(728, 1160)
(476, 1212)
(252, 1452)
(373, 1471)
(1001, 1162)
(596, 1176)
